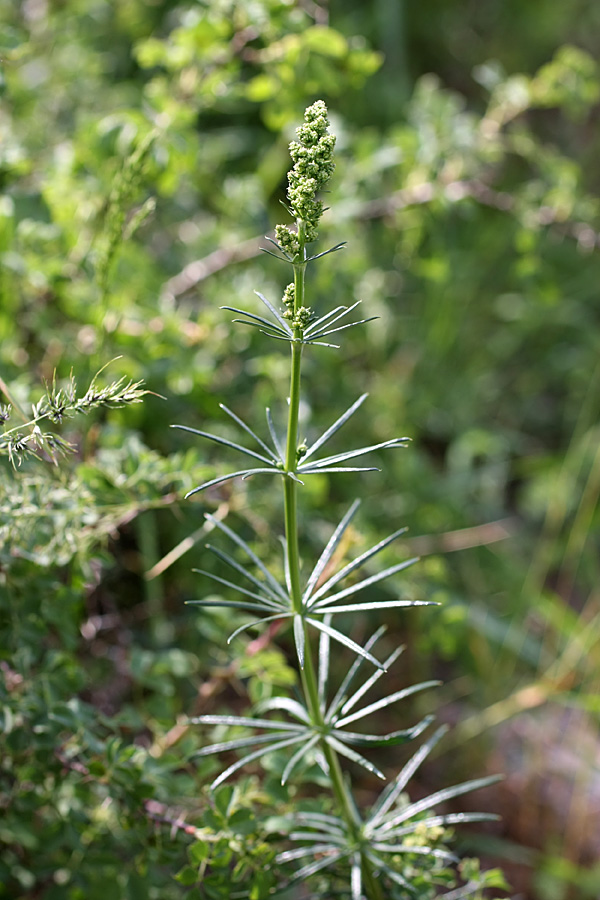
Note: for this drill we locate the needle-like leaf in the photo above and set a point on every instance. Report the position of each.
(265, 601)
(327, 858)
(389, 795)
(325, 332)
(391, 739)
(271, 580)
(340, 695)
(227, 443)
(426, 803)
(279, 601)
(346, 641)
(288, 742)
(356, 563)
(330, 317)
(328, 552)
(335, 427)
(273, 433)
(301, 852)
(323, 672)
(293, 707)
(374, 604)
(243, 473)
(351, 702)
(245, 722)
(386, 701)
(392, 874)
(257, 321)
(298, 756)
(326, 252)
(235, 604)
(435, 821)
(256, 624)
(367, 582)
(356, 877)
(435, 852)
(299, 639)
(239, 743)
(282, 322)
(319, 464)
(354, 756)
(274, 457)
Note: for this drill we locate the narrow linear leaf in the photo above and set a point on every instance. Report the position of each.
(340, 696)
(356, 877)
(472, 887)
(249, 431)
(277, 600)
(346, 641)
(245, 721)
(265, 601)
(226, 443)
(392, 874)
(285, 258)
(322, 344)
(275, 313)
(249, 551)
(367, 582)
(252, 472)
(358, 562)
(301, 852)
(354, 756)
(299, 639)
(297, 758)
(370, 682)
(320, 471)
(286, 565)
(330, 317)
(257, 320)
(388, 797)
(290, 339)
(392, 739)
(436, 853)
(336, 426)
(273, 433)
(321, 819)
(352, 454)
(321, 835)
(326, 252)
(386, 701)
(239, 743)
(434, 821)
(328, 859)
(252, 756)
(236, 604)
(324, 648)
(330, 548)
(256, 624)
(373, 604)
(273, 331)
(439, 797)
(243, 473)
(320, 334)
(293, 707)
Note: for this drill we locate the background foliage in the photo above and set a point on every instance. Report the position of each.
(143, 155)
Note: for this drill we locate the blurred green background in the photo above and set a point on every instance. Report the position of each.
(143, 154)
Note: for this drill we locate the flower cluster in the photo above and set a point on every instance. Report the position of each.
(312, 154)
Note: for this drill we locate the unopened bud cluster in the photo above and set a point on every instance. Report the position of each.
(312, 154)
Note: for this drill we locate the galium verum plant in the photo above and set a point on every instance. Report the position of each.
(397, 846)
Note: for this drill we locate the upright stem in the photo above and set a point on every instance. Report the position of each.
(308, 676)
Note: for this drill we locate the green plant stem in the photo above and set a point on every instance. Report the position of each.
(307, 673)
